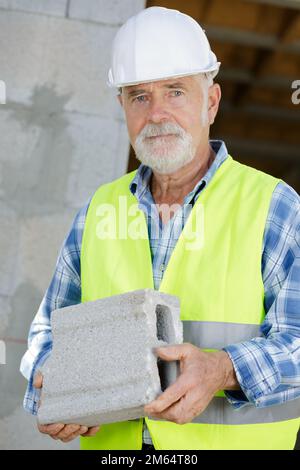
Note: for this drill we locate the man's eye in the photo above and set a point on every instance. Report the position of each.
(177, 91)
(140, 99)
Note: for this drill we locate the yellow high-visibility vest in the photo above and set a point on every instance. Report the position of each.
(215, 270)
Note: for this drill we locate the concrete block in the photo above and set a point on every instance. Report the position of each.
(46, 7)
(28, 182)
(95, 151)
(5, 312)
(9, 256)
(40, 240)
(68, 56)
(122, 152)
(100, 154)
(12, 124)
(102, 11)
(102, 368)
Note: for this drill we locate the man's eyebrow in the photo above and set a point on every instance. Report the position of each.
(175, 85)
(137, 91)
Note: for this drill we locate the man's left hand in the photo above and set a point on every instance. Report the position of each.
(202, 374)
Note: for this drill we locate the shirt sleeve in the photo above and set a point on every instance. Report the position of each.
(268, 367)
(64, 290)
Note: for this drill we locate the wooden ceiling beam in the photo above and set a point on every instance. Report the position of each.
(243, 146)
(279, 3)
(265, 56)
(247, 38)
(246, 77)
(289, 20)
(261, 111)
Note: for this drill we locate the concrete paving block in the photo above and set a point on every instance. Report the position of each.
(102, 11)
(102, 368)
(46, 7)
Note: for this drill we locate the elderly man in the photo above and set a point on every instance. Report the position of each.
(237, 280)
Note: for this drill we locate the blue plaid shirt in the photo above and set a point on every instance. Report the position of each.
(268, 367)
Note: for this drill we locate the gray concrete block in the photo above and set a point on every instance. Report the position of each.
(69, 57)
(94, 149)
(123, 147)
(40, 240)
(46, 7)
(9, 256)
(102, 11)
(97, 158)
(5, 312)
(102, 368)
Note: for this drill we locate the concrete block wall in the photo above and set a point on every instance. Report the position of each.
(63, 134)
(102, 368)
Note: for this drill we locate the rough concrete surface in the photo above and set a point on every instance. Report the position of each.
(19, 430)
(102, 367)
(63, 134)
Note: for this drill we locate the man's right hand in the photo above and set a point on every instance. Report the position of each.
(64, 432)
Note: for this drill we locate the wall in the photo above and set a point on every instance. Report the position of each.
(62, 135)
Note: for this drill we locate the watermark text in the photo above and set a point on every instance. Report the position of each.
(2, 352)
(129, 222)
(2, 92)
(296, 94)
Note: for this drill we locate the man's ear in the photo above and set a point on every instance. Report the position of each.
(214, 97)
(120, 98)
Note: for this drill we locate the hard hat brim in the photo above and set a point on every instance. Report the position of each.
(215, 68)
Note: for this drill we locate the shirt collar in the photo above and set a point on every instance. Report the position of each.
(140, 182)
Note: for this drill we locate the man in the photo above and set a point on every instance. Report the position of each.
(237, 280)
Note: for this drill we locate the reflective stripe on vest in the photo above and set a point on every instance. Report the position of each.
(219, 411)
(217, 335)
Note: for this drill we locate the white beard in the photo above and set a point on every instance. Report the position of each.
(164, 154)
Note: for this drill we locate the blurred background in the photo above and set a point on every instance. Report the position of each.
(63, 134)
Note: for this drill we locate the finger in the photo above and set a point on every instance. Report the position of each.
(186, 409)
(38, 380)
(177, 413)
(74, 435)
(67, 431)
(172, 353)
(170, 396)
(175, 352)
(50, 428)
(91, 431)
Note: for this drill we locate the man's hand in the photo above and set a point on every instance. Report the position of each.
(64, 432)
(202, 374)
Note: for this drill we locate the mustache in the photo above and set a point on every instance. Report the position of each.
(154, 130)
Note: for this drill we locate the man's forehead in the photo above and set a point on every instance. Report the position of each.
(170, 83)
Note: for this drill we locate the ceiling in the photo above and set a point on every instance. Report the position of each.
(258, 44)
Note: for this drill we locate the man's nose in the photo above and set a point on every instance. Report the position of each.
(158, 112)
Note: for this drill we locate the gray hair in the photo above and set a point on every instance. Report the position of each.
(206, 81)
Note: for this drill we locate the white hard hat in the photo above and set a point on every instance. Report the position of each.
(159, 43)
